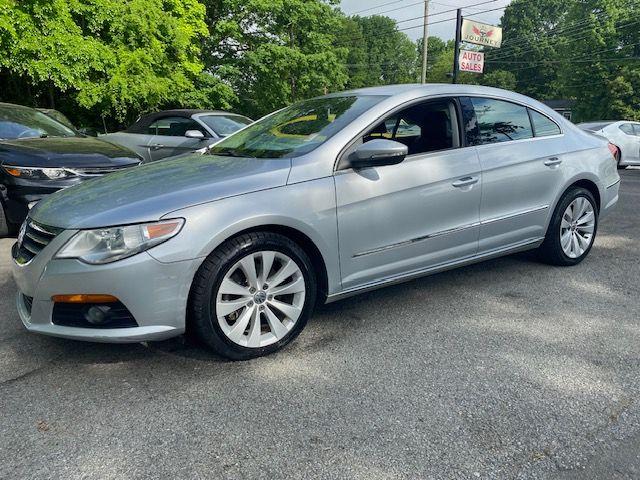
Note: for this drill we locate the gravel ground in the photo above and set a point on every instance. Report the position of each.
(506, 369)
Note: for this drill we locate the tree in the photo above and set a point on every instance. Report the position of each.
(111, 58)
(274, 52)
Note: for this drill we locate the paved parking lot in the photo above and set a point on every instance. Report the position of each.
(506, 369)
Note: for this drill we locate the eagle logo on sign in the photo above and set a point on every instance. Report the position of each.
(481, 32)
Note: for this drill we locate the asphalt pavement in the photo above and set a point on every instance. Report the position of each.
(505, 369)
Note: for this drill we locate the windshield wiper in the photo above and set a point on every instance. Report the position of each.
(231, 153)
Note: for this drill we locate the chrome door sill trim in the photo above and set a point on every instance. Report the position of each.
(416, 240)
(513, 215)
(518, 247)
(449, 231)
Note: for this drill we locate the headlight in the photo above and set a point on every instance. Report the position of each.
(37, 173)
(106, 245)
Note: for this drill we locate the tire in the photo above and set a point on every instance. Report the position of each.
(251, 331)
(5, 227)
(576, 230)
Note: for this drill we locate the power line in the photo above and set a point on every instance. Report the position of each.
(377, 6)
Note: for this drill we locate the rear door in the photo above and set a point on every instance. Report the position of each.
(169, 137)
(521, 153)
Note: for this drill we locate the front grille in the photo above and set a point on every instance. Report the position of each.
(32, 240)
(116, 315)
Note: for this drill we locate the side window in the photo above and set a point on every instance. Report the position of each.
(542, 125)
(627, 128)
(636, 129)
(500, 121)
(174, 127)
(425, 127)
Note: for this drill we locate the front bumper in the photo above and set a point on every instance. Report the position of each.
(155, 293)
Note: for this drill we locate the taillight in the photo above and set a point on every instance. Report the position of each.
(615, 151)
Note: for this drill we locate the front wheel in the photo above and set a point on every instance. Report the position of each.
(572, 229)
(252, 296)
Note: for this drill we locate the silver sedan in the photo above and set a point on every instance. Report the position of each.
(321, 200)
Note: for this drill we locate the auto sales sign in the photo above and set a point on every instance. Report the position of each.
(481, 33)
(471, 61)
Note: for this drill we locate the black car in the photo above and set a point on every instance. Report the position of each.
(39, 155)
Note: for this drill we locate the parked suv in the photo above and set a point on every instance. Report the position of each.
(39, 156)
(324, 199)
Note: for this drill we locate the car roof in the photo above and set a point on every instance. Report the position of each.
(146, 120)
(422, 89)
(14, 105)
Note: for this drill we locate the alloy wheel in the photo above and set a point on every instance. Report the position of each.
(577, 227)
(260, 299)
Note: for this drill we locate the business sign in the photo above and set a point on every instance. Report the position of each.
(471, 61)
(481, 33)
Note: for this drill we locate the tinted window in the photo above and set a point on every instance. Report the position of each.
(427, 127)
(636, 129)
(173, 127)
(543, 126)
(500, 121)
(23, 122)
(297, 129)
(627, 128)
(224, 125)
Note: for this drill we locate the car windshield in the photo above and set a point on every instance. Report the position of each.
(23, 122)
(297, 129)
(224, 125)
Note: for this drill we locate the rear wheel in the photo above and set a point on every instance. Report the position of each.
(252, 296)
(572, 229)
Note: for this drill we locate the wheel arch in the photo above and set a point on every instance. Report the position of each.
(587, 183)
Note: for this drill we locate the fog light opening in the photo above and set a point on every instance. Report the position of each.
(98, 314)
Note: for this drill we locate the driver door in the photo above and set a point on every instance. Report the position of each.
(424, 212)
(169, 137)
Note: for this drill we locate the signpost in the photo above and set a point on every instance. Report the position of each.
(469, 61)
(479, 33)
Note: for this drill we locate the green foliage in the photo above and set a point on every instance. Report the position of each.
(113, 58)
(274, 52)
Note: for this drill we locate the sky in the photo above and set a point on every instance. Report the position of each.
(404, 9)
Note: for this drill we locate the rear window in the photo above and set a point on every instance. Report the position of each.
(499, 121)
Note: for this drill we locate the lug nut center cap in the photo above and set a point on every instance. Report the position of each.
(260, 297)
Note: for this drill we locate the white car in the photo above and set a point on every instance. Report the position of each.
(624, 135)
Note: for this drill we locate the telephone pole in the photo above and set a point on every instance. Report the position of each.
(425, 41)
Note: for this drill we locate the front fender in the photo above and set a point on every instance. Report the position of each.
(308, 207)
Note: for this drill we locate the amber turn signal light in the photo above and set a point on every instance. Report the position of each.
(80, 298)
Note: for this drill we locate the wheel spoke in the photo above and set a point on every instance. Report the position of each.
(296, 286)
(565, 240)
(237, 331)
(588, 217)
(267, 263)
(285, 272)
(225, 307)
(254, 330)
(277, 327)
(291, 311)
(248, 265)
(229, 287)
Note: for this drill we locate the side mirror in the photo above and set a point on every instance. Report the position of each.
(90, 132)
(194, 134)
(377, 153)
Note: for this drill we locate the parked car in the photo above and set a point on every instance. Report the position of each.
(39, 155)
(624, 135)
(174, 132)
(237, 246)
(59, 116)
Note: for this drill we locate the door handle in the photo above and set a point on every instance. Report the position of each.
(156, 146)
(465, 182)
(552, 162)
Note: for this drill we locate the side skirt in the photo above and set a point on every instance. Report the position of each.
(519, 247)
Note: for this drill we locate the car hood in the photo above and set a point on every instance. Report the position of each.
(148, 192)
(65, 152)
